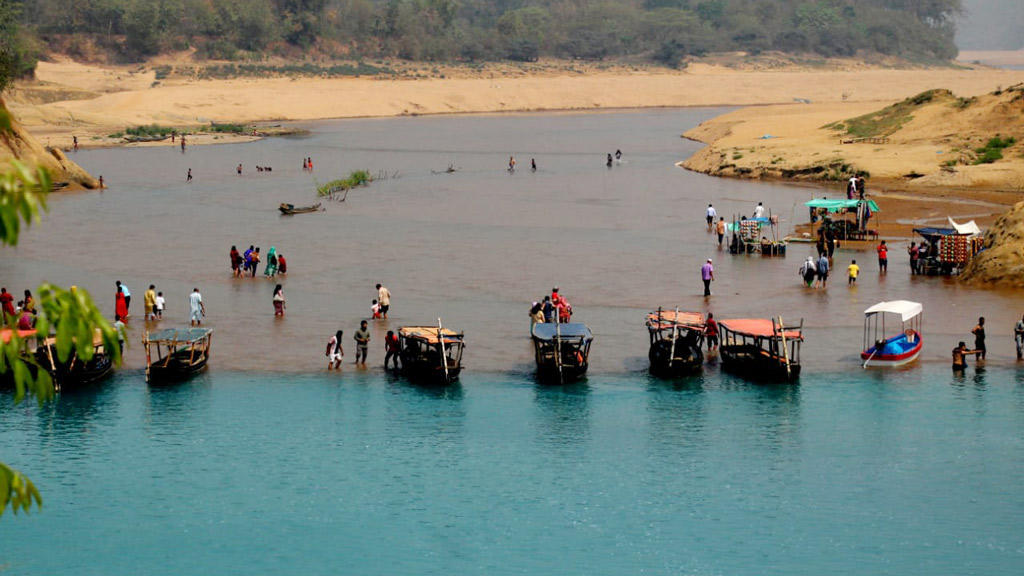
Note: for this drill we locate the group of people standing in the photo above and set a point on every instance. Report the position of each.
(248, 262)
(23, 315)
(335, 350)
(553, 309)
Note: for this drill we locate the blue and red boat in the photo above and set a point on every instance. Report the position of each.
(896, 350)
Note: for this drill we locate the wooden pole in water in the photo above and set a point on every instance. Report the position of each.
(558, 350)
(440, 341)
(675, 335)
(785, 349)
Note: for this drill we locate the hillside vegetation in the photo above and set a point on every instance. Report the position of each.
(665, 31)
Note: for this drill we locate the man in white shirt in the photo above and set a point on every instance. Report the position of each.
(196, 308)
(711, 215)
(384, 299)
(759, 211)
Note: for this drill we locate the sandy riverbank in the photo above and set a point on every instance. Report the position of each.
(90, 101)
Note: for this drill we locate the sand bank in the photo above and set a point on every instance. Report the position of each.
(69, 98)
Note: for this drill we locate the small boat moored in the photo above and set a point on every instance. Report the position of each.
(761, 349)
(431, 353)
(562, 350)
(180, 353)
(71, 373)
(676, 338)
(292, 209)
(902, 348)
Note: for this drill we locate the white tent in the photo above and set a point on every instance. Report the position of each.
(970, 228)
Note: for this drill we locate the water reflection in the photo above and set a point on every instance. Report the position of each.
(563, 414)
(173, 408)
(676, 413)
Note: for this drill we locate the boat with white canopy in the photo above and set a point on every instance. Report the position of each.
(880, 350)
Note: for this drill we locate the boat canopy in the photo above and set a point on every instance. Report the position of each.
(550, 330)
(179, 335)
(429, 334)
(6, 333)
(668, 318)
(839, 205)
(905, 308)
(758, 328)
(933, 234)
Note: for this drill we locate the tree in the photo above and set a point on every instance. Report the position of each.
(70, 313)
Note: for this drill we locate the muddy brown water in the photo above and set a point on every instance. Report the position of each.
(474, 247)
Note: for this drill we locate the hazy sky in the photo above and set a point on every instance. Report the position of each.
(991, 25)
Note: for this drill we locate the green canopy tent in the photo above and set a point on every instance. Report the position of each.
(863, 209)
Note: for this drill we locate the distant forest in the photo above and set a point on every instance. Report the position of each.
(666, 31)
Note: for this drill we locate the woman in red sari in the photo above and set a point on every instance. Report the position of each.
(120, 307)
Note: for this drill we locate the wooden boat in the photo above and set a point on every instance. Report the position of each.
(431, 354)
(676, 338)
(761, 349)
(180, 353)
(292, 209)
(894, 350)
(75, 371)
(562, 350)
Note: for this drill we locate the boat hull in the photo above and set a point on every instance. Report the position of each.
(755, 365)
(897, 351)
(549, 373)
(432, 373)
(686, 361)
(177, 369)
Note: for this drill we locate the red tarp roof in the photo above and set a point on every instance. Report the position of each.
(758, 327)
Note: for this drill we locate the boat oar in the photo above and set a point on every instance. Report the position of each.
(870, 357)
(440, 340)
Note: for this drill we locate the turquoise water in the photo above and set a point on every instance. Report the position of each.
(899, 472)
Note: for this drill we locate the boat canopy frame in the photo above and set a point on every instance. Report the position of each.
(910, 313)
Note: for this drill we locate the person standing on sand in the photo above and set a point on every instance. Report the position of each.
(707, 274)
(721, 229)
(533, 165)
(852, 270)
(189, 177)
(149, 303)
(883, 257)
(511, 163)
(979, 339)
(384, 299)
(334, 351)
(1018, 336)
(362, 338)
(197, 311)
(239, 169)
(710, 216)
